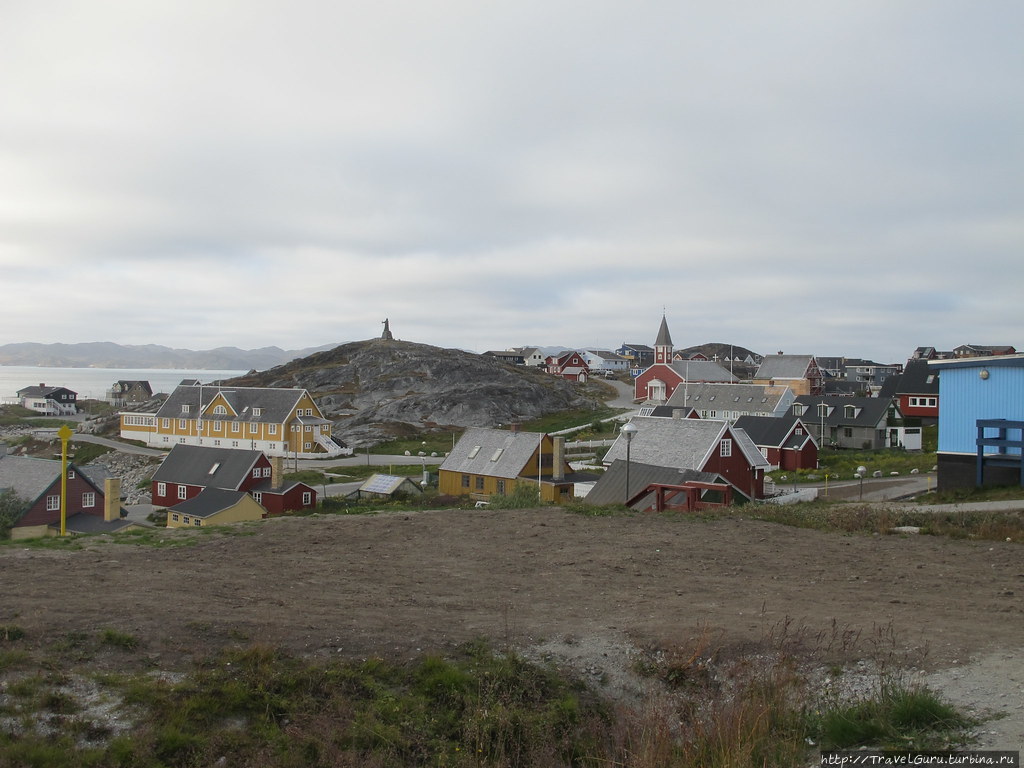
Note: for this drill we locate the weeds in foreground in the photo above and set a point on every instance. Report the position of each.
(711, 706)
(875, 518)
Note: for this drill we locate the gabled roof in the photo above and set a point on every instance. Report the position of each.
(732, 397)
(492, 452)
(275, 404)
(784, 367)
(867, 411)
(605, 354)
(386, 485)
(772, 431)
(637, 347)
(702, 370)
(30, 477)
(209, 502)
(41, 390)
(680, 443)
(917, 379)
(206, 467)
(611, 487)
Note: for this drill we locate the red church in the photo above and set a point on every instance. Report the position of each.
(657, 383)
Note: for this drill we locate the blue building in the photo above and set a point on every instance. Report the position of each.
(981, 421)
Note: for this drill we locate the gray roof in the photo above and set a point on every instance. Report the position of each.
(492, 452)
(756, 398)
(276, 403)
(42, 390)
(773, 431)
(29, 477)
(611, 487)
(680, 443)
(205, 466)
(915, 379)
(702, 370)
(209, 502)
(784, 367)
(385, 485)
(867, 411)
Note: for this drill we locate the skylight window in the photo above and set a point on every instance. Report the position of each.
(497, 454)
(474, 452)
(214, 468)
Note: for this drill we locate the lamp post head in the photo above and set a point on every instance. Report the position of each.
(628, 430)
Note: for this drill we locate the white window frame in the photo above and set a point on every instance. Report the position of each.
(88, 499)
(725, 447)
(183, 492)
(307, 497)
(161, 489)
(53, 503)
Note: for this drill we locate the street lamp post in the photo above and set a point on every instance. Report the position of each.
(64, 433)
(628, 430)
(861, 471)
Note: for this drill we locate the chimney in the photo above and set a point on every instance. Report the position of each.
(276, 471)
(557, 459)
(111, 499)
(515, 427)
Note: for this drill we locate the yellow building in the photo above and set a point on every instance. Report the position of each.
(215, 506)
(488, 462)
(279, 422)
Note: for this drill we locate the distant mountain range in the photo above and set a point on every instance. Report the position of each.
(105, 354)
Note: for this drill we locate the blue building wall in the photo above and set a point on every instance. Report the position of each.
(964, 397)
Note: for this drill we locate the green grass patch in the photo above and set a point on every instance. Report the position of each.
(86, 452)
(117, 639)
(895, 717)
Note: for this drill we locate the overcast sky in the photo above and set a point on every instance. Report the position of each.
(830, 178)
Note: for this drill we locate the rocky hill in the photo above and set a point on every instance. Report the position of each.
(378, 389)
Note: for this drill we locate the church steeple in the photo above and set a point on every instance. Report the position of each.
(663, 344)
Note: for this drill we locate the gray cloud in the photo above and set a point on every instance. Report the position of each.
(834, 179)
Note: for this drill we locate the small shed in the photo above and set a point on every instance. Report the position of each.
(380, 486)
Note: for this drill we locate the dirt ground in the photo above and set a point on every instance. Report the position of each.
(585, 590)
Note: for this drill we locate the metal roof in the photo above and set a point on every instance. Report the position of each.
(492, 452)
(206, 466)
(680, 443)
(209, 502)
(611, 487)
(784, 367)
(274, 404)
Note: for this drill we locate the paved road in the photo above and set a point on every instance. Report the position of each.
(117, 445)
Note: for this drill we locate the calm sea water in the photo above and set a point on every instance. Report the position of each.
(93, 383)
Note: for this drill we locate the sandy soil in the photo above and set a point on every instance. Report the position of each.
(584, 590)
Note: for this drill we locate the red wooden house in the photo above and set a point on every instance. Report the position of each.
(699, 444)
(784, 441)
(569, 365)
(188, 470)
(916, 391)
(92, 497)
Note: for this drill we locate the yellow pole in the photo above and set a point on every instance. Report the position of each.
(64, 433)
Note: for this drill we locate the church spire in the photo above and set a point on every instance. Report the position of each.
(663, 344)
